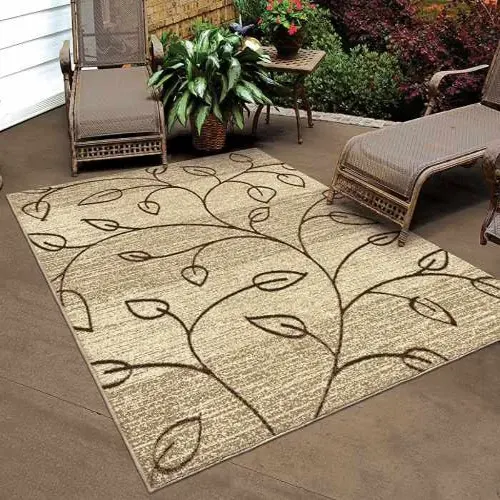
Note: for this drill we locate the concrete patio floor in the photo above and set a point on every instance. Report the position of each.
(436, 437)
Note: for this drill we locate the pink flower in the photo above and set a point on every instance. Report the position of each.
(269, 7)
(293, 29)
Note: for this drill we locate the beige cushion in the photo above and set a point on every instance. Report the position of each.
(114, 102)
(395, 156)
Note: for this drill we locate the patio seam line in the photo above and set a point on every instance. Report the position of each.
(2, 377)
(282, 480)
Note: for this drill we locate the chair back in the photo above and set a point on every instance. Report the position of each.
(109, 33)
(491, 89)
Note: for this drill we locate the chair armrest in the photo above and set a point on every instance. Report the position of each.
(65, 58)
(491, 169)
(436, 79)
(65, 63)
(156, 52)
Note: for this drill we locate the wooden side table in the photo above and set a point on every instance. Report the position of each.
(300, 67)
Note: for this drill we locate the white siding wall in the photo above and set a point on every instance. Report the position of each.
(31, 34)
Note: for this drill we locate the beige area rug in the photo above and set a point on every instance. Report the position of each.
(221, 302)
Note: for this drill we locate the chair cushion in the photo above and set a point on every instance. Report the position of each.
(394, 157)
(114, 102)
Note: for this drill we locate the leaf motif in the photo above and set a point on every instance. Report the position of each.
(280, 324)
(135, 256)
(197, 275)
(383, 239)
(150, 207)
(48, 241)
(37, 209)
(111, 372)
(434, 261)
(259, 214)
(158, 170)
(277, 280)
(102, 197)
(177, 445)
(200, 171)
(261, 193)
(432, 310)
(351, 218)
(77, 309)
(103, 224)
(291, 179)
(147, 308)
(421, 359)
(240, 158)
(488, 285)
(288, 167)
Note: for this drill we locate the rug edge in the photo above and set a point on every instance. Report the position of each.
(246, 450)
(81, 352)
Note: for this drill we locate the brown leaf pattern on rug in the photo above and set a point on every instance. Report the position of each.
(221, 302)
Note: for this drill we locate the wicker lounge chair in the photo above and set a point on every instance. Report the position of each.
(385, 170)
(490, 230)
(111, 111)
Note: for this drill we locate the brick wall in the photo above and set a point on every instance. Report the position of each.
(179, 15)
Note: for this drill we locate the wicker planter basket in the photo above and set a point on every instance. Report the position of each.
(212, 137)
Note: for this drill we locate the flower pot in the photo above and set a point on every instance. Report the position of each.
(287, 45)
(212, 137)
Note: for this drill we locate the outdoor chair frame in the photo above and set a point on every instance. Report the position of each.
(366, 187)
(88, 16)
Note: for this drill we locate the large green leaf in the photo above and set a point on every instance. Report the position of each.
(238, 116)
(234, 73)
(164, 80)
(188, 44)
(170, 90)
(216, 110)
(182, 107)
(172, 115)
(200, 85)
(155, 77)
(257, 93)
(225, 88)
(243, 93)
(203, 41)
(201, 116)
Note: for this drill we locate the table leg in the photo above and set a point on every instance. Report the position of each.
(268, 113)
(296, 93)
(305, 100)
(256, 117)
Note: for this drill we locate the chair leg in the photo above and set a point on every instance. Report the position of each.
(74, 166)
(403, 236)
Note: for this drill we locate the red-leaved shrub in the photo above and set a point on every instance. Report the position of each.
(465, 33)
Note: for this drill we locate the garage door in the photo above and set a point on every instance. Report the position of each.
(31, 34)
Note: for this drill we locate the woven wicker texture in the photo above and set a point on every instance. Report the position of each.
(491, 91)
(493, 228)
(395, 156)
(102, 110)
(212, 137)
(111, 32)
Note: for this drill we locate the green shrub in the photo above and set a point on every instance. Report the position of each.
(360, 82)
(249, 10)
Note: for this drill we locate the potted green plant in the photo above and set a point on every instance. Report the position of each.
(284, 22)
(210, 80)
